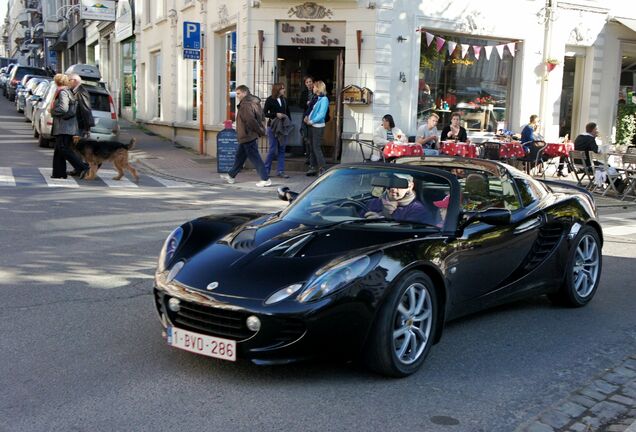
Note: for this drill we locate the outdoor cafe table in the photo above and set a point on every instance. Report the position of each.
(511, 149)
(554, 150)
(463, 149)
(400, 149)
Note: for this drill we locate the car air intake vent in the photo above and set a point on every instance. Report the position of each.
(211, 321)
(549, 236)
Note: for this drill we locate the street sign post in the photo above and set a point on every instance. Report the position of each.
(191, 40)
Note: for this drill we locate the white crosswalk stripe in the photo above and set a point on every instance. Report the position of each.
(170, 183)
(57, 182)
(107, 175)
(6, 177)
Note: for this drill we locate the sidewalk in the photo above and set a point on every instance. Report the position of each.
(160, 156)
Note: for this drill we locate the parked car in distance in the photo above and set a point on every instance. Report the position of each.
(17, 73)
(33, 99)
(25, 89)
(4, 78)
(106, 123)
(42, 120)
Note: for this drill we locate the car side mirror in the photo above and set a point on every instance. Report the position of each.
(490, 217)
(285, 194)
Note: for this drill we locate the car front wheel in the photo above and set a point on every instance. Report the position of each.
(583, 270)
(405, 327)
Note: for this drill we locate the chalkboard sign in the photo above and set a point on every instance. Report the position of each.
(226, 148)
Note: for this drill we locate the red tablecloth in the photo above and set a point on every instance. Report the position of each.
(509, 150)
(554, 150)
(452, 148)
(399, 149)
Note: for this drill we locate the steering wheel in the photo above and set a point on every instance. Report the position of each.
(353, 203)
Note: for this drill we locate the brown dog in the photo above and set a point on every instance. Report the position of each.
(97, 152)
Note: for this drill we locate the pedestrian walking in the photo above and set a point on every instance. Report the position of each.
(279, 127)
(316, 122)
(64, 128)
(85, 118)
(306, 103)
(249, 127)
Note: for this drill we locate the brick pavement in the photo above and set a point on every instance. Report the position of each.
(606, 404)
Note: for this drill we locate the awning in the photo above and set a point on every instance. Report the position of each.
(627, 22)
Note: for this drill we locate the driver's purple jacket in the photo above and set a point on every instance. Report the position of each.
(413, 212)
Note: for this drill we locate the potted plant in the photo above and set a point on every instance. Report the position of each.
(551, 63)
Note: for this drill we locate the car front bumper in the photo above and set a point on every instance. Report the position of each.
(290, 331)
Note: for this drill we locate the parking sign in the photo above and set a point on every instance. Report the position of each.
(191, 40)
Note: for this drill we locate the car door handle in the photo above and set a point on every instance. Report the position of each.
(528, 225)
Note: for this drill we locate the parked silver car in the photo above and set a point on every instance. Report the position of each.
(25, 89)
(35, 97)
(106, 123)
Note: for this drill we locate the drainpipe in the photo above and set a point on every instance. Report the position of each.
(547, 13)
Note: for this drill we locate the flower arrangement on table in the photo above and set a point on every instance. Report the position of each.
(485, 100)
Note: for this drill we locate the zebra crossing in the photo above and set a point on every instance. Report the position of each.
(619, 223)
(41, 177)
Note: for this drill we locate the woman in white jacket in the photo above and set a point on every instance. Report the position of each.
(385, 133)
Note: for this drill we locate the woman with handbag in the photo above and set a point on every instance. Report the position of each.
(316, 122)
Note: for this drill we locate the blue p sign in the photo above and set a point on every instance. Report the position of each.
(191, 35)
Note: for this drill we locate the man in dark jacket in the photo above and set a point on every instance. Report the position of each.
(249, 127)
(587, 142)
(85, 118)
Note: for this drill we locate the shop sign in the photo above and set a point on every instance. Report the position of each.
(311, 33)
(124, 21)
(99, 10)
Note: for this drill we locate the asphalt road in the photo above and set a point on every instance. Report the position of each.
(81, 346)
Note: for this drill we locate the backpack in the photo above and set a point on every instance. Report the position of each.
(72, 107)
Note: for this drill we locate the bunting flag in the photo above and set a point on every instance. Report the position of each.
(451, 47)
(477, 50)
(511, 48)
(500, 50)
(440, 43)
(429, 38)
(488, 50)
(465, 50)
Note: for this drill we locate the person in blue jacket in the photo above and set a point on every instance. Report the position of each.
(528, 132)
(400, 204)
(316, 123)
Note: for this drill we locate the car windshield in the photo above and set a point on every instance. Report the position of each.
(374, 194)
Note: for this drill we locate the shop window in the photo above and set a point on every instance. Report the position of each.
(192, 88)
(230, 74)
(478, 88)
(156, 71)
(128, 73)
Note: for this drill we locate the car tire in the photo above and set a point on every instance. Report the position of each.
(411, 308)
(43, 142)
(583, 270)
(36, 134)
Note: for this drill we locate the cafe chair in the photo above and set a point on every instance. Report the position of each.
(607, 177)
(490, 150)
(629, 170)
(370, 152)
(534, 157)
(581, 169)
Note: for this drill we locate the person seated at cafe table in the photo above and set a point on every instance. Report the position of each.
(529, 132)
(386, 133)
(427, 134)
(454, 131)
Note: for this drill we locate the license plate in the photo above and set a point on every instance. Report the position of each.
(210, 346)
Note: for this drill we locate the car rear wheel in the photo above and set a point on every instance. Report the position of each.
(405, 327)
(43, 142)
(35, 132)
(583, 270)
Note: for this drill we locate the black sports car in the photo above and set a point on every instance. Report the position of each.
(372, 259)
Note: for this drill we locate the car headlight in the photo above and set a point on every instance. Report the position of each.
(283, 293)
(328, 280)
(169, 248)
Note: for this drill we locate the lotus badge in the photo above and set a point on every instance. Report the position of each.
(212, 285)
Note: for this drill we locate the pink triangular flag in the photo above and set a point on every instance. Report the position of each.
(511, 48)
(488, 50)
(440, 42)
(465, 50)
(477, 50)
(500, 49)
(451, 47)
(429, 38)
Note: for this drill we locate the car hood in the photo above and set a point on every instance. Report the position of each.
(264, 255)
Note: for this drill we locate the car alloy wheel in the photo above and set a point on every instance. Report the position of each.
(413, 322)
(405, 327)
(583, 270)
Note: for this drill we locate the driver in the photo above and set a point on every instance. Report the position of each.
(399, 204)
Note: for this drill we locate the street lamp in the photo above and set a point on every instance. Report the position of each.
(71, 8)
